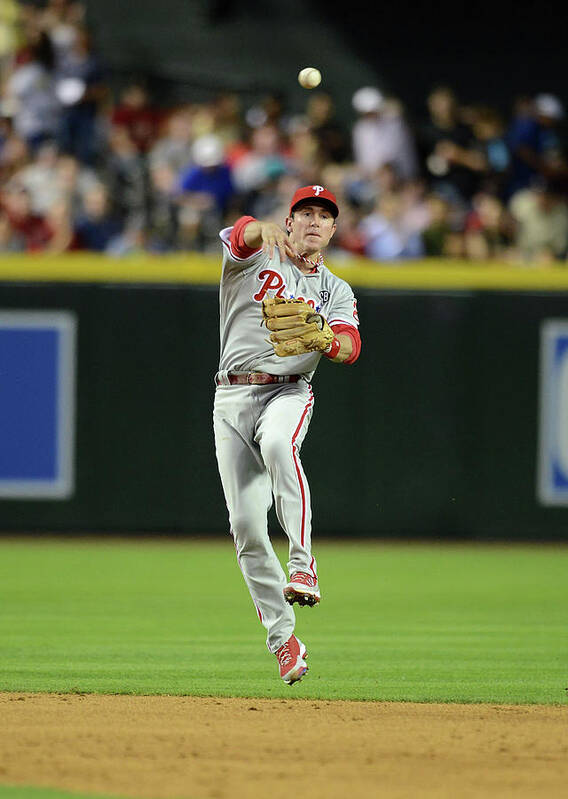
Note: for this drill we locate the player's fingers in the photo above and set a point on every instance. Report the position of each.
(290, 309)
(280, 244)
(268, 247)
(293, 332)
(282, 323)
(282, 249)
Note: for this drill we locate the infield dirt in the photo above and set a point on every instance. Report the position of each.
(165, 747)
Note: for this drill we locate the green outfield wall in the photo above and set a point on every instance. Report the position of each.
(441, 429)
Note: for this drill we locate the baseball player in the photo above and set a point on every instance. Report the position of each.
(281, 309)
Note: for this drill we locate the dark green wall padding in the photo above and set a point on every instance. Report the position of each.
(432, 433)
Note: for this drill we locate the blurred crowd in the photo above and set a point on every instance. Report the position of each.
(82, 169)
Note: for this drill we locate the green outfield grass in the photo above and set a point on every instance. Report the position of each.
(440, 623)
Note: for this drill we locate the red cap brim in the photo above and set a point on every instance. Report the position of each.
(314, 195)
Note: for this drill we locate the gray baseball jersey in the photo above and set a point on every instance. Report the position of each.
(245, 282)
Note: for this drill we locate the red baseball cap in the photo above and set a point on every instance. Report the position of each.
(317, 195)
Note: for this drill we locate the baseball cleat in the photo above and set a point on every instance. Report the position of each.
(291, 660)
(303, 589)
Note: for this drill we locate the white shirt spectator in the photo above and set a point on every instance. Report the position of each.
(382, 139)
(541, 217)
(30, 87)
(380, 135)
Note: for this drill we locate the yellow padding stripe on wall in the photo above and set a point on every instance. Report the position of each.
(205, 269)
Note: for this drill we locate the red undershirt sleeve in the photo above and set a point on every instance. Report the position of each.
(353, 333)
(237, 238)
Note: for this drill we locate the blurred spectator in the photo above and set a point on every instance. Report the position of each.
(414, 212)
(524, 145)
(30, 94)
(440, 236)
(386, 180)
(204, 193)
(350, 236)
(135, 112)
(488, 229)
(446, 146)
(125, 173)
(162, 225)
(29, 230)
(209, 176)
(14, 155)
(363, 192)
(274, 201)
(550, 115)
(332, 139)
(202, 119)
(490, 141)
(385, 234)
(533, 139)
(541, 217)
(264, 161)
(39, 178)
(80, 89)
(172, 149)
(270, 111)
(72, 182)
(303, 156)
(96, 227)
(59, 224)
(60, 19)
(227, 119)
(336, 177)
(380, 134)
(274, 105)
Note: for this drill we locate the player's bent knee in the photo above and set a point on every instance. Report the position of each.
(247, 533)
(275, 449)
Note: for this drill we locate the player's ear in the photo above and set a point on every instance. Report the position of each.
(289, 221)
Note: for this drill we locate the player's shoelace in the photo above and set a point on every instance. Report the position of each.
(284, 655)
(305, 579)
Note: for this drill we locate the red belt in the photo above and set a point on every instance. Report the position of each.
(260, 379)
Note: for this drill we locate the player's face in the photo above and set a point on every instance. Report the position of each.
(311, 228)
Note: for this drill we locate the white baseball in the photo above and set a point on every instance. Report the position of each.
(309, 77)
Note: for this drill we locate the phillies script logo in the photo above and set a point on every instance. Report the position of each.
(273, 281)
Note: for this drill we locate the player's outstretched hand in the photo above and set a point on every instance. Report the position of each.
(274, 237)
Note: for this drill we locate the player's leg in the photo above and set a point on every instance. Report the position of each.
(248, 495)
(280, 431)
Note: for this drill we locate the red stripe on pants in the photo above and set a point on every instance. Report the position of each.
(296, 464)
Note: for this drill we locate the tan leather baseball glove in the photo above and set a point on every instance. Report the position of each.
(295, 327)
